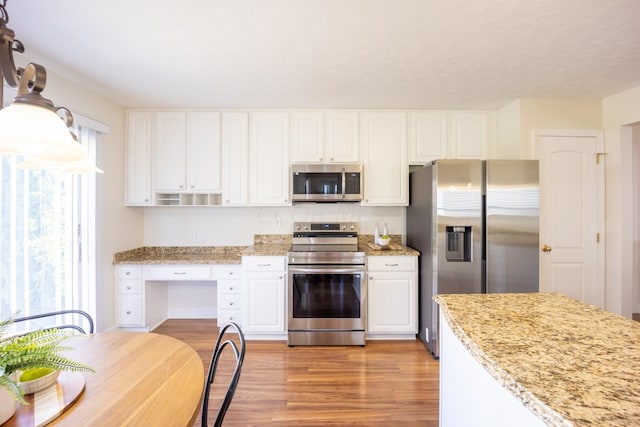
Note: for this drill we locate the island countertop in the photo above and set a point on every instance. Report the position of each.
(570, 363)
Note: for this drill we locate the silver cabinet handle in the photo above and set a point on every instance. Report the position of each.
(264, 265)
(391, 265)
(179, 273)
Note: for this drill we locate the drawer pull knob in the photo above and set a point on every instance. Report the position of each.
(231, 303)
(230, 288)
(129, 288)
(128, 311)
(127, 273)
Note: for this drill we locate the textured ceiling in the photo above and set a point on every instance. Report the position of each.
(335, 53)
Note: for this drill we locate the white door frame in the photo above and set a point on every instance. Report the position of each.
(536, 134)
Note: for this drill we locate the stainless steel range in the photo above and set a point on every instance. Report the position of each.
(327, 285)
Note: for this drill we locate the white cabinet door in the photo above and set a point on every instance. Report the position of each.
(264, 302)
(130, 311)
(386, 170)
(392, 302)
(235, 151)
(307, 137)
(469, 134)
(428, 136)
(187, 146)
(139, 148)
(170, 150)
(341, 137)
(269, 158)
(203, 151)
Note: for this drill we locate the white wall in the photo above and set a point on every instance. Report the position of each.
(619, 112)
(118, 228)
(235, 226)
(636, 217)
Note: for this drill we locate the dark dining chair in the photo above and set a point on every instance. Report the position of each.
(224, 341)
(58, 315)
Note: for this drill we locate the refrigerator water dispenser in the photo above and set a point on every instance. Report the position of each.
(458, 241)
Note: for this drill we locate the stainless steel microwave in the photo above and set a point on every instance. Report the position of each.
(326, 183)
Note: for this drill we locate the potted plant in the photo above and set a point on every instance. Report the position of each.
(37, 349)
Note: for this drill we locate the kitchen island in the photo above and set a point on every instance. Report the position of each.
(536, 359)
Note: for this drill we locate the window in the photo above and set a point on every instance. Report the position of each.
(47, 238)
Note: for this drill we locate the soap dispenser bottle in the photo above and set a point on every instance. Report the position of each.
(385, 232)
(376, 235)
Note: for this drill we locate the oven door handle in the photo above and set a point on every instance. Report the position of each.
(333, 269)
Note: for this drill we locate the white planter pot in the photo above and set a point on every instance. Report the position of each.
(7, 405)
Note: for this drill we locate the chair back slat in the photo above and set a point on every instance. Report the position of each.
(54, 314)
(224, 342)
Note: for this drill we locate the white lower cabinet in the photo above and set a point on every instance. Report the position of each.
(264, 293)
(392, 295)
(229, 295)
(130, 296)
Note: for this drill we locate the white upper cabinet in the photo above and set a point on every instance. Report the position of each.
(429, 136)
(341, 137)
(469, 135)
(385, 166)
(203, 151)
(448, 135)
(139, 184)
(187, 146)
(235, 155)
(329, 137)
(307, 137)
(269, 158)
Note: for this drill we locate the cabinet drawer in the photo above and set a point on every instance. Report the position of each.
(229, 301)
(130, 311)
(229, 287)
(263, 263)
(228, 272)
(130, 286)
(178, 272)
(130, 272)
(226, 315)
(392, 263)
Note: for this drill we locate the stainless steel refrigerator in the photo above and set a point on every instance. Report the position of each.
(475, 224)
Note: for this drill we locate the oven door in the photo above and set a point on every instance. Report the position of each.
(327, 298)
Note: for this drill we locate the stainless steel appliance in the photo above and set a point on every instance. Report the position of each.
(326, 183)
(475, 224)
(327, 285)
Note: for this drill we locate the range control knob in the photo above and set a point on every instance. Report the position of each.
(298, 227)
(352, 227)
(343, 227)
(306, 227)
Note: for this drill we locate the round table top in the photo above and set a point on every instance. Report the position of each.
(141, 379)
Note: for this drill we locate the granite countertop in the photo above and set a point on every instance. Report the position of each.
(570, 363)
(365, 244)
(263, 245)
(181, 255)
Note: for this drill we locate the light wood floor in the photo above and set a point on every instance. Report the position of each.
(385, 383)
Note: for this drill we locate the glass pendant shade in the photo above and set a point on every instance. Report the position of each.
(38, 134)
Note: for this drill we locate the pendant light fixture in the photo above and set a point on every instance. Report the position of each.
(32, 126)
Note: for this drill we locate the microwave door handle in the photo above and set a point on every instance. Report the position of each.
(344, 183)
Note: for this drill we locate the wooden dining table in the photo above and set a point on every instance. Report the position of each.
(140, 379)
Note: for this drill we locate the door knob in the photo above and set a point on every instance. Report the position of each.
(546, 248)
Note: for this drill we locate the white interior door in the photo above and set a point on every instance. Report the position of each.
(572, 214)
